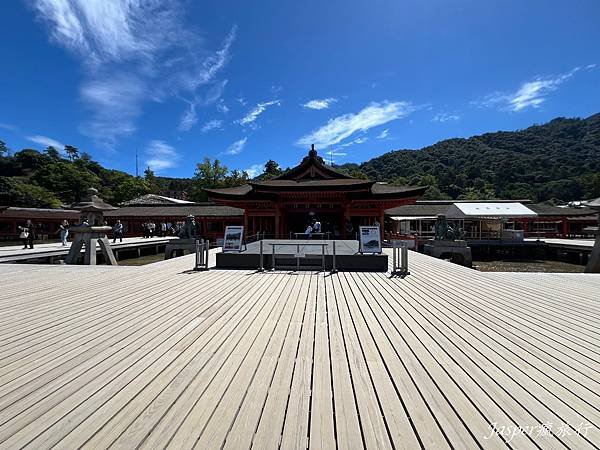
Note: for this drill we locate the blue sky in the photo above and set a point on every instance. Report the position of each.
(247, 81)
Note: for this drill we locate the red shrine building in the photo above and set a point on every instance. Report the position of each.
(286, 204)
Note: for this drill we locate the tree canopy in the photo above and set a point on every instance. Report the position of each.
(556, 162)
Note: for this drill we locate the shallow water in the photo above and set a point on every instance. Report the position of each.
(527, 266)
(142, 260)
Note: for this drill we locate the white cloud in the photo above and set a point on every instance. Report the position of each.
(212, 125)
(189, 118)
(342, 127)
(147, 44)
(333, 156)
(384, 134)
(222, 107)
(46, 142)
(255, 170)
(530, 94)
(358, 140)
(115, 104)
(237, 147)
(445, 117)
(161, 156)
(257, 111)
(323, 103)
(9, 127)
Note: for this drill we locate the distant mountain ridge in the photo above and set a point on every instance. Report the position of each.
(558, 161)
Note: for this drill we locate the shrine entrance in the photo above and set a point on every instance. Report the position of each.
(312, 190)
(296, 222)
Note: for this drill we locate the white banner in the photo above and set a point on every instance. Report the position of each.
(234, 236)
(370, 239)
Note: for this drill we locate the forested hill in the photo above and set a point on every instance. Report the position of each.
(558, 161)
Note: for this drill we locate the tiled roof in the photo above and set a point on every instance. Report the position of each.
(176, 211)
(417, 210)
(549, 210)
(153, 199)
(38, 213)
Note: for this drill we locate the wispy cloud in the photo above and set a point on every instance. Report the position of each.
(237, 147)
(115, 104)
(215, 124)
(333, 156)
(342, 127)
(146, 45)
(253, 114)
(530, 94)
(255, 170)
(161, 156)
(9, 127)
(445, 117)
(189, 118)
(358, 140)
(384, 134)
(322, 103)
(46, 141)
(222, 107)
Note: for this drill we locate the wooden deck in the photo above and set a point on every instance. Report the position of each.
(16, 253)
(157, 356)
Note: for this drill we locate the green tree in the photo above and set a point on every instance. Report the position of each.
(236, 178)
(72, 152)
(15, 192)
(66, 180)
(272, 170)
(52, 153)
(207, 175)
(151, 181)
(129, 189)
(4, 150)
(29, 160)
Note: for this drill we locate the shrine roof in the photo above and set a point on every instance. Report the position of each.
(312, 174)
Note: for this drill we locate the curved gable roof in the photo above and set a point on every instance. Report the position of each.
(312, 168)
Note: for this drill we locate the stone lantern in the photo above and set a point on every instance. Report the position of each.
(91, 231)
(593, 265)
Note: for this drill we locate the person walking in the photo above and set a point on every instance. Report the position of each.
(63, 230)
(28, 234)
(118, 232)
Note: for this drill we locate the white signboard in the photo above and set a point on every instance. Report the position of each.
(234, 235)
(370, 239)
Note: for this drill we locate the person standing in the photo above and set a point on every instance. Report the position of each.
(308, 232)
(152, 229)
(63, 230)
(317, 226)
(163, 229)
(28, 234)
(118, 232)
(24, 235)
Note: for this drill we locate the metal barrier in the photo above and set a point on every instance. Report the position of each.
(400, 258)
(317, 235)
(297, 255)
(202, 249)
